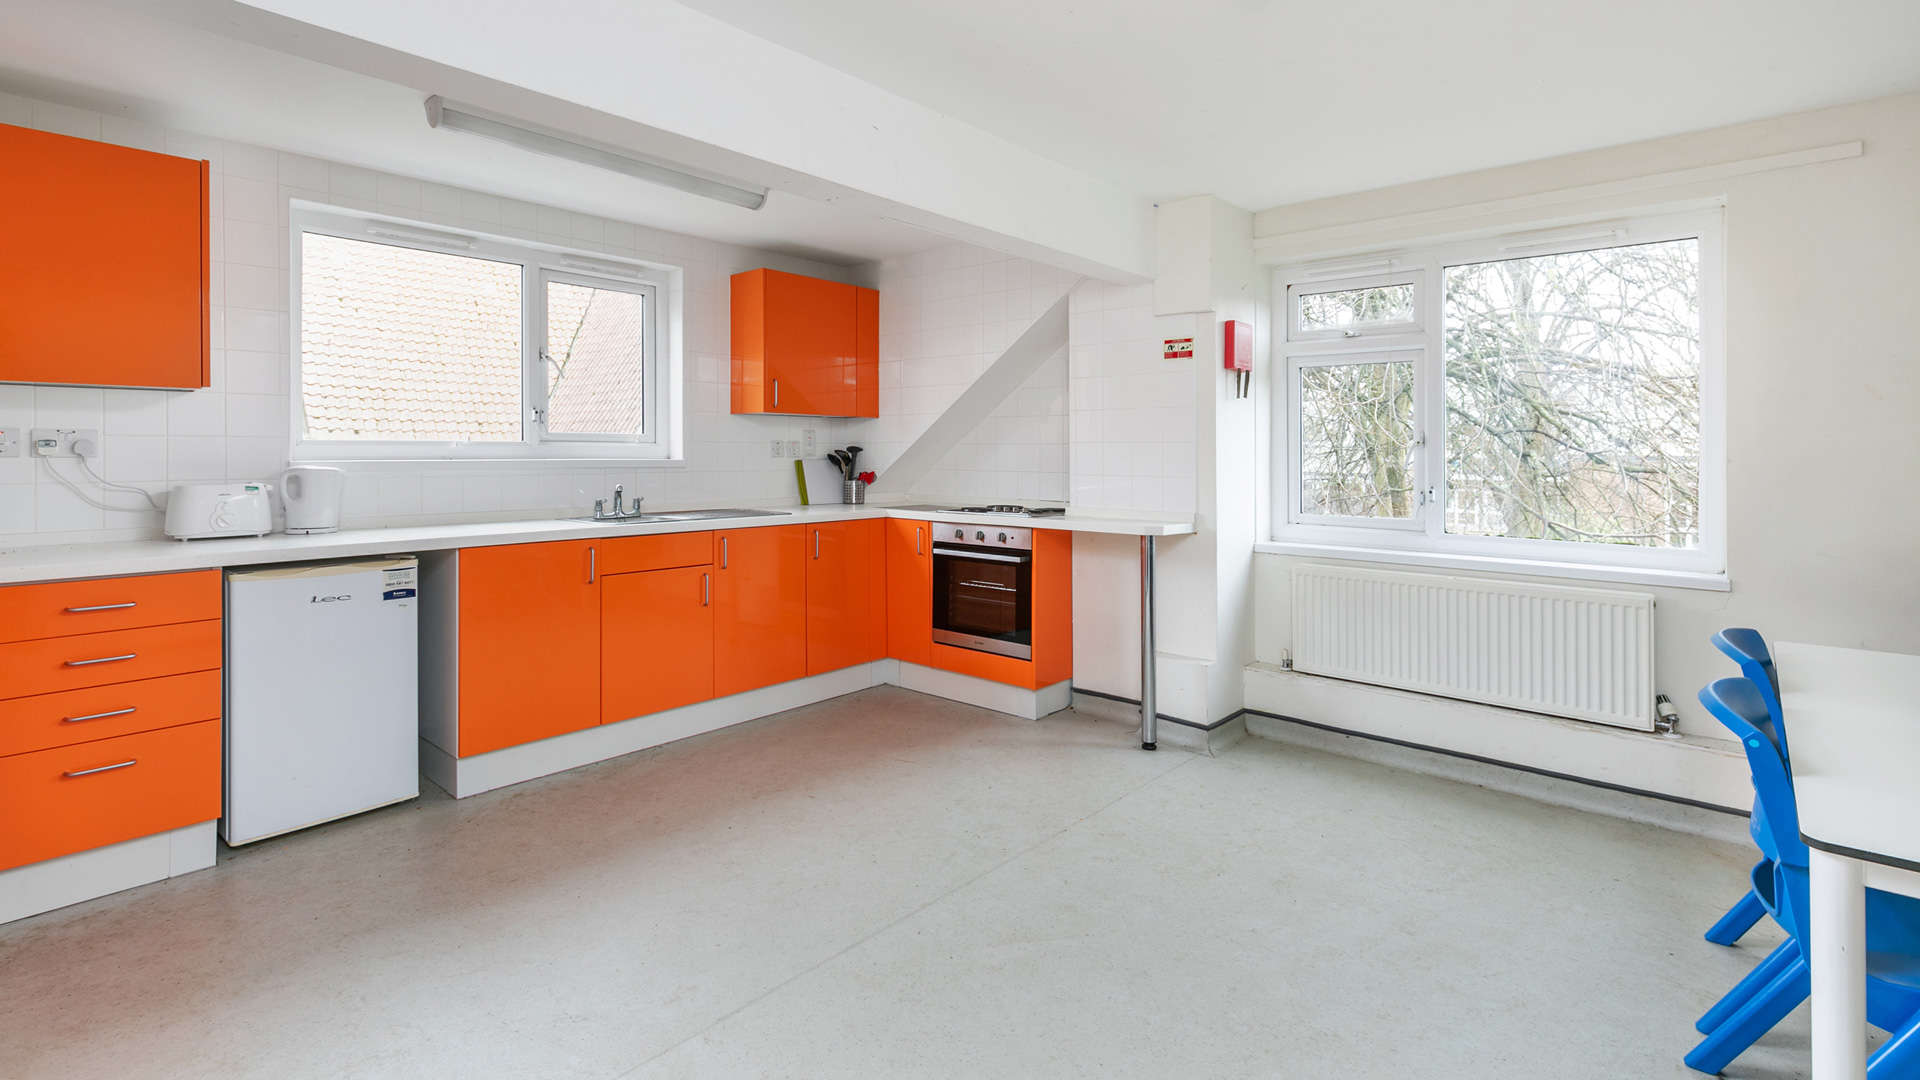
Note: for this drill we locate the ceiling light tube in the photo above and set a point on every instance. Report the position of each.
(442, 115)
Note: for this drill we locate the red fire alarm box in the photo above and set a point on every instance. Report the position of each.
(1237, 349)
(1236, 354)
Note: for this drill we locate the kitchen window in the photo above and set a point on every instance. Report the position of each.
(1549, 400)
(415, 342)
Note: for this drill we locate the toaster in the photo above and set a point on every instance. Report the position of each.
(202, 511)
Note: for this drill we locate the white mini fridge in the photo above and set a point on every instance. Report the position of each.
(322, 693)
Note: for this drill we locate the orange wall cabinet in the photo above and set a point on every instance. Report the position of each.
(656, 641)
(846, 594)
(109, 712)
(804, 346)
(114, 292)
(909, 591)
(759, 607)
(529, 643)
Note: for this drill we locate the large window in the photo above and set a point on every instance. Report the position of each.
(1549, 397)
(420, 343)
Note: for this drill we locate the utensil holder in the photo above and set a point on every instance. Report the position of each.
(853, 491)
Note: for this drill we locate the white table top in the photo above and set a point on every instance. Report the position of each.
(1853, 727)
(64, 561)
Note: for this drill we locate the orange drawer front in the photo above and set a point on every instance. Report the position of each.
(626, 554)
(68, 663)
(103, 712)
(72, 798)
(90, 607)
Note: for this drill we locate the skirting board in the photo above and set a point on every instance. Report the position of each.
(84, 875)
(1170, 731)
(462, 777)
(1709, 772)
(987, 694)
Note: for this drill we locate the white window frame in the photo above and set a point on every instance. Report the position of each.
(539, 264)
(1423, 540)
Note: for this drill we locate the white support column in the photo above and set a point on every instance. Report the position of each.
(1838, 956)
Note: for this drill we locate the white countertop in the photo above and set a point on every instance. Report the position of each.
(62, 561)
(1853, 728)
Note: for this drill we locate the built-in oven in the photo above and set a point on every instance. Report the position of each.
(983, 588)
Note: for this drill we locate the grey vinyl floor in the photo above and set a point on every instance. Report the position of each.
(891, 885)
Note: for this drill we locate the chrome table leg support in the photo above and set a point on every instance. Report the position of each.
(1149, 706)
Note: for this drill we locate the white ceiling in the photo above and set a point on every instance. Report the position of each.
(149, 61)
(1265, 102)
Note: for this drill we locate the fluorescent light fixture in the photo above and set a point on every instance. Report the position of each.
(440, 114)
(421, 236)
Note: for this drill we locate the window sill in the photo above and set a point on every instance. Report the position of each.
(1625, 575)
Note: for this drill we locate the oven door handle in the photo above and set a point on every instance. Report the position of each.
(989, 556)
(988, 585)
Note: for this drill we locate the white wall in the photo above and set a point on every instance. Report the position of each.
(1823, 376)
(238, 428)
(945, 316)
(1132, 411)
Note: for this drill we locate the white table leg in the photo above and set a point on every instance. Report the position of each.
(1838, 958)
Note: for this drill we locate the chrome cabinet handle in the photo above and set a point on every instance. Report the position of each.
(919, 541)
(102, 768)
(776, 393)
(101, 660)
(593, 563)
(101, 607)
(816, 543)
(706, 590)
(96, 716)
(723, 553)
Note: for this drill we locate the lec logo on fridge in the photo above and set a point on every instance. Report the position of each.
(329, 599)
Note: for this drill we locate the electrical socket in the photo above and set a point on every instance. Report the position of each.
(10, 442)
(793, 448)
(58, 442)
(810, 438)
(779, 448)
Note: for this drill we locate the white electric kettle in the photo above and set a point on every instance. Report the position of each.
(312, 496)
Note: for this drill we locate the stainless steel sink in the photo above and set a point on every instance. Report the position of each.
(683, 515)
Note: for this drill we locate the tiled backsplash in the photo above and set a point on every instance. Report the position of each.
(239, 428)
(945, 316)
(1132, 411)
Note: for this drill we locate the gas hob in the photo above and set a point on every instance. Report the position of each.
(995, 508)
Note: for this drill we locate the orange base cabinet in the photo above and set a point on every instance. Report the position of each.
(804, 346)
(909, 591)
(846, 594)
(656, 641)
(529, 643)
(759, 607)
(87, 795)
(1052, 624)
(115, 291)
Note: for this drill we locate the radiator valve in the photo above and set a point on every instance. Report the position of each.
(1666, 718)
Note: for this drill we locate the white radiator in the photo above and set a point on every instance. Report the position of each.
(1580, 653)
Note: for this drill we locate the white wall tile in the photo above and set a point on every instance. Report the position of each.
(200, 412)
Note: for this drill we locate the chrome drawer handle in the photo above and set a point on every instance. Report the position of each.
(101, 660)
(96, 716)
(101, 607)
(102, 768)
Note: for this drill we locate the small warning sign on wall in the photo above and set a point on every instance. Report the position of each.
(1179, 348)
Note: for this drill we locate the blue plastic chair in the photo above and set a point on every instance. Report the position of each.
(1781, 981)
(1748, 649)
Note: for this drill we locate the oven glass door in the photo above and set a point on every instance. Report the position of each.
(983, 599)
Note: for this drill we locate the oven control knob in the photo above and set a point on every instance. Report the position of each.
(980, 536)
(1003, 538)
(959, 534)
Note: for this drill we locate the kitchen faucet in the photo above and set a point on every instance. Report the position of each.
(620, 510)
